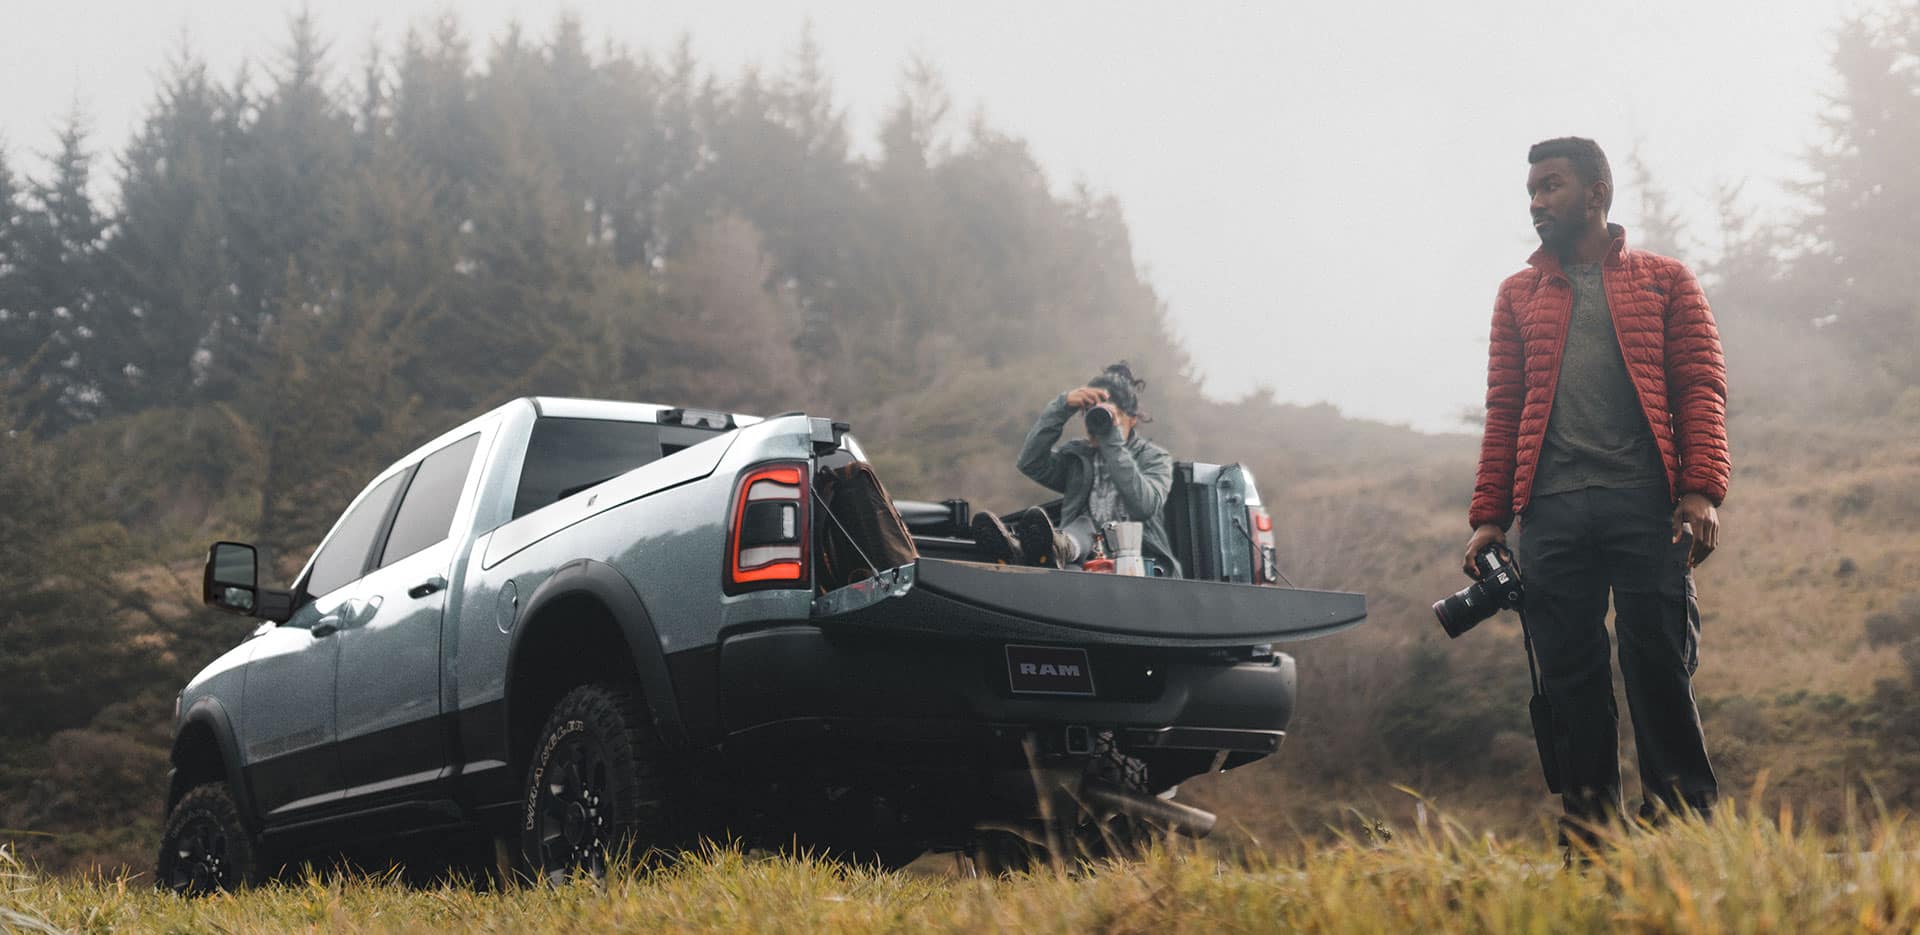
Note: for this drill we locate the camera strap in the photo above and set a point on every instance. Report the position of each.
(1540, 712)
(1533, 667)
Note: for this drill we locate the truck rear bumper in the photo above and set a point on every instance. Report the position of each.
(800, 683)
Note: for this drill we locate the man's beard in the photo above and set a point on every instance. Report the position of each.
(1559, 232)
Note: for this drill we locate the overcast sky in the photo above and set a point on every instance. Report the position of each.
(1325, 194)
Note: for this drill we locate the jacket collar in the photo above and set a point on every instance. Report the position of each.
(1547, 262)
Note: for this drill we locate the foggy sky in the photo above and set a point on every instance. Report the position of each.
(1325, 195)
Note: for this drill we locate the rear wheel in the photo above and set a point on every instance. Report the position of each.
(205, 846)
(597, 786)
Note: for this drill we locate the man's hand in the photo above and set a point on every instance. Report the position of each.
(1697, 512)
(1086, 397)
(1485, 535)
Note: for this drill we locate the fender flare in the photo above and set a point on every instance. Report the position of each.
(210, 712)
(606, 584)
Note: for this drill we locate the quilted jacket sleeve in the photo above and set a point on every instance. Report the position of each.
(1697, 390)
(1506, 391)
(1038, 460)
(1142, 475)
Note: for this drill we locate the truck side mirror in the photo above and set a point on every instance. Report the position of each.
(231, 583)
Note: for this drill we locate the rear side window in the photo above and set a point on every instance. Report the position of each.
(566, 456)
(344, 557)
(426, 513)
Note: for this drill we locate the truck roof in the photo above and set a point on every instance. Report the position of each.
(568, 407)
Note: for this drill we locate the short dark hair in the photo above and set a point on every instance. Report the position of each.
(1123, 388)
(1585, 154)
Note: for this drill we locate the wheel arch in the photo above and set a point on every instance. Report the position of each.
(587, 610)
(205, 750)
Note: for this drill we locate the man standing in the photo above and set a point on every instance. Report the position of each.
(1606, 435)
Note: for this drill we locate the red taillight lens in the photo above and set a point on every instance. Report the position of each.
(767, 542)
(1265, 567)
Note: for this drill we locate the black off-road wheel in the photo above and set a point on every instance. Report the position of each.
(597, 787)
(205, 847)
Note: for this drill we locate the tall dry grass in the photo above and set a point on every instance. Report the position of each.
(1743, 872)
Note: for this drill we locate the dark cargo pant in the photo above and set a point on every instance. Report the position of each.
(1573, 549)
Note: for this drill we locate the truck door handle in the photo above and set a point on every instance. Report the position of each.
(326, 626)
(427, 587)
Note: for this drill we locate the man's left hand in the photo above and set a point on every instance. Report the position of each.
(1697, 512)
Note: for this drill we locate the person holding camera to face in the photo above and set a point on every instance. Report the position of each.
(1606, 436)
(1112, 475)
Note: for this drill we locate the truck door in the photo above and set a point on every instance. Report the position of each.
(288, 727)
(388, 695)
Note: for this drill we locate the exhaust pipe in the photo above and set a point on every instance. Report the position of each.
(1184, 819)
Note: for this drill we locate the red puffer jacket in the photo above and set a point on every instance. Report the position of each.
(1672, 351)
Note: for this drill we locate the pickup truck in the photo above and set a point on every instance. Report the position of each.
(570, 628)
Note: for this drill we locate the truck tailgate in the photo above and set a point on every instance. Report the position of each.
(1004, 602)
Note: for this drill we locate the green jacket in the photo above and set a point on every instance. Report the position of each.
(1141, 471)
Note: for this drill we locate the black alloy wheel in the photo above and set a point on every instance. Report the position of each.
(575, 798)
(205, 848)
(595, 787)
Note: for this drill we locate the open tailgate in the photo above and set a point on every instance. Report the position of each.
(977, 600)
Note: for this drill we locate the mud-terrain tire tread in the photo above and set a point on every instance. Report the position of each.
(643, 816)
(245, 855)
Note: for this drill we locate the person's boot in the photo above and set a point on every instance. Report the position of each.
(1045, 545)
(994, 538)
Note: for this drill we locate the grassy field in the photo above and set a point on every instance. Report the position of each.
(1741, 873)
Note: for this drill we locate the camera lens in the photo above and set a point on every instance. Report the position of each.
(1465, 609)
(1099, 420)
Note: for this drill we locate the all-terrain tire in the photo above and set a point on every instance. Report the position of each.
(596, 787)
(206, 847)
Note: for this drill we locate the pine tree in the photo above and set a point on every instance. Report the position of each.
(1865, 204)
(1661, 229)
(50, 349)
(282, 193)
(170, 257)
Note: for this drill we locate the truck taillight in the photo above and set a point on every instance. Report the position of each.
(1266, 569)
(767, 542)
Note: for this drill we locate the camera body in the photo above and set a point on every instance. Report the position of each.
(1099, 419)
(1497, 589)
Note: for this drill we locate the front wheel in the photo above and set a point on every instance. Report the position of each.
(206, 847)
(597, 786)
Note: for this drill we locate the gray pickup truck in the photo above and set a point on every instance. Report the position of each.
(573, 626)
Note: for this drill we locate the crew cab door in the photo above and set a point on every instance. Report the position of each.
(287, 723)
(388, 695)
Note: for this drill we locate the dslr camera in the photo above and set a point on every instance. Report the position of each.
(1497, 589)
(1099, 419)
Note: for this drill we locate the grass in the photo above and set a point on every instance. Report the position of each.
(1740, 873)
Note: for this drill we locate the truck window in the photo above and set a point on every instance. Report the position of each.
(566, 456)
(344, 556)
(426, 512)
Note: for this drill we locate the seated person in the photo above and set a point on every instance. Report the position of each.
(1112, 475)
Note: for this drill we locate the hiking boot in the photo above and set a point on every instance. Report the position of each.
(994, 538)
(1045, 545)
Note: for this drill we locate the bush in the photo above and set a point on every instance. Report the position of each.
(1898, 628)
(1438, 719)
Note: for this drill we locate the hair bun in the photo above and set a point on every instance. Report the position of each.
(1124, 371)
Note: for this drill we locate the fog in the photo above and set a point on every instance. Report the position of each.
(1325, 195)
